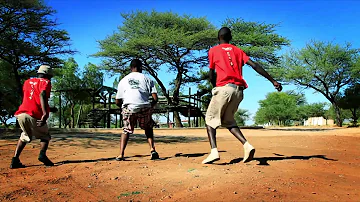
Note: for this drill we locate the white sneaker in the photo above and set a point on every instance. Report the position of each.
(213, 156)
(249, 152)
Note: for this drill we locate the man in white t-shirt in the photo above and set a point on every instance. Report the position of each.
(132, 96)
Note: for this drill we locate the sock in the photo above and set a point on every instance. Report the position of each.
(214, 151)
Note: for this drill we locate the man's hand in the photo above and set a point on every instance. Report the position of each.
(42, 121)
(277, 86)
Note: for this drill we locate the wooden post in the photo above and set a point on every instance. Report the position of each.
(116, 120)
(60, 110)
(109, 114)
(168, 112)
(189, 122)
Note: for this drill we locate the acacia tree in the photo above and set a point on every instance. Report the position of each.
(164, 42)
(279, 108)
(74, 85)
(258, 40)
(8, 98)
(323, 66)
(28, 36)
(351, 100)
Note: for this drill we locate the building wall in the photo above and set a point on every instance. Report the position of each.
(318, 121)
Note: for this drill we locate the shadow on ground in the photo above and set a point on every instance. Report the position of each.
(86, 139)
(264, 161)
(301, 129)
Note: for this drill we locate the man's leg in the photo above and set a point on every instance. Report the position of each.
(211, 132)
(229, 120)
(15, 161)
(146, 123)
(214, 154)
(149, 132)
(19, 148)
(26, 124)
(237, 133)
(44, 144)
(123, 143)
(213, 119)
(129, 121)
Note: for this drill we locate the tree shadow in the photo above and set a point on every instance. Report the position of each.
(301, 129)
(86, 139)
(263, 161)
(88, 161)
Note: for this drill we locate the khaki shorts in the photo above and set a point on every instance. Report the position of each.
(223, 105)
(30, 129)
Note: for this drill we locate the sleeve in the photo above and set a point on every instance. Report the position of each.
(45, 85)
(152, 87)
(211, 59)
(120, 91)
(243, 58)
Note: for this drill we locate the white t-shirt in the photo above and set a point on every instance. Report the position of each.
(134, 89)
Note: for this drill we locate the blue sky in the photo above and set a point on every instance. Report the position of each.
(299, 20)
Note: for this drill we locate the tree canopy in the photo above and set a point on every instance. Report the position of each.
(29, 37)
(286, 107)
(323, 66)
(164, 42)
(351, 101)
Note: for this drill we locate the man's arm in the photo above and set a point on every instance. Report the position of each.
(257, 67)
(212, 77)
(118, 102)
(154, 100)
(44, 103)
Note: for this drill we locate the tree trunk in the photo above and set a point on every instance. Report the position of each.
(354, 117)
(337, 114)
(176, 101)
(177, 119)
(18, 81)
(72, 123)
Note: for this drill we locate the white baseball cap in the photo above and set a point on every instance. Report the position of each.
(45, 69)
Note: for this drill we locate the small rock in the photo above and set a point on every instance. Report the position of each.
(197, 176)
(273, 190)
(89, 186)
(115, 178)
(235, 192)
(313, 192)
(163, 190)
(145, 167)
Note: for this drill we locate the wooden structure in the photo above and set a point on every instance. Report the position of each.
(104, 108)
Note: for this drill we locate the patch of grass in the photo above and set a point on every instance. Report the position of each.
(129, 194)
(191, 169)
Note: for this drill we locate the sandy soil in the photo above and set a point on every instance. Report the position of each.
(291, 164)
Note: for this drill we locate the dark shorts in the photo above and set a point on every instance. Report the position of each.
(143, 118)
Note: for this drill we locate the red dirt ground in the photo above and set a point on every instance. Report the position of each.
(289, 165)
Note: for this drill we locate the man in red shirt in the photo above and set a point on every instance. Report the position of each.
(226, 62)
(32, 115)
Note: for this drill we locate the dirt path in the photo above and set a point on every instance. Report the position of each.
(290, 165)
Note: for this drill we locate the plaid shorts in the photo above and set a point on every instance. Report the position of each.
(143, 117)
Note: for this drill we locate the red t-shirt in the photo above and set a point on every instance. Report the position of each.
(228, 60)
(31, 101)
